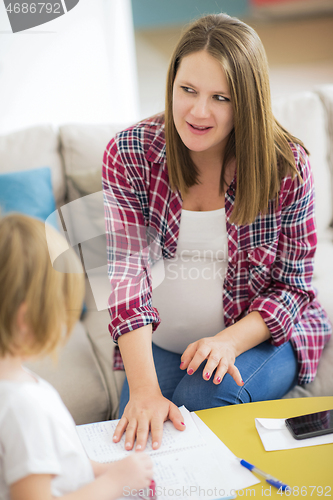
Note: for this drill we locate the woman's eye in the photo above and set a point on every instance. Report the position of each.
(188, 90)
(221, 98)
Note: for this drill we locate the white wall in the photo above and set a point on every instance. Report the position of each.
(80, 67)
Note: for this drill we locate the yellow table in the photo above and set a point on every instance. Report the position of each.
(300, 467)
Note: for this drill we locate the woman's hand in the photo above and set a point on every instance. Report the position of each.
(222, 349)
(146, 410)
(220, 354)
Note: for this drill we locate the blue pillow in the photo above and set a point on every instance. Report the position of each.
(28, 192)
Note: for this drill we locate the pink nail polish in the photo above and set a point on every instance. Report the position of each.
(182, 423)
(181, 364)
(218, 380)
(190, 371)
(243, 382)
(207, 375)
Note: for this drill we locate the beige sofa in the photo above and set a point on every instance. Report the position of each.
(84, 375)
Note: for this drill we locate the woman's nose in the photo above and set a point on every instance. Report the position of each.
(200, 108)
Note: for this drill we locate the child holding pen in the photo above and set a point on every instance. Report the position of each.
(41, 456)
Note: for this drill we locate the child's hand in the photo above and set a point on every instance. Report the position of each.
(134, 472)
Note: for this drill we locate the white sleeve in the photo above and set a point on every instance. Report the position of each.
(29, 444)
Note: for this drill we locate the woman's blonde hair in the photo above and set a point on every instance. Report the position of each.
(258, 142)
(53, 298)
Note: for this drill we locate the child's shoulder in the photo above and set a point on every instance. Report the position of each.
(19, 396)
(27, 400)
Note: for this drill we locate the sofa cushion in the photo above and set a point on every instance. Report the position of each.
(303, 116)
(323, 383)
(96, 324)
(82, 148)
(78, 379)
(33, 148)
(28, 192)
(325, 93)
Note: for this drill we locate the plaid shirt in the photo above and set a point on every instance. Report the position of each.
(270, 261)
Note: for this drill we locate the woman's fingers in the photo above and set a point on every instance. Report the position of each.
(223, 368)
(142, 415)
(130, 434)
(176, 417)
(214, 361)
(220, 357)
(142, 434)
(120, 429)
(234, 372)
(156, 431)
(220, 371)
(200, 353)
(187, 355)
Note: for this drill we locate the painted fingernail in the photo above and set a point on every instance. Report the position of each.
(218, 380)
(190, 371)
(182, 423)
(207, 375)
(155, 445)
(181, 364)
(242, 381)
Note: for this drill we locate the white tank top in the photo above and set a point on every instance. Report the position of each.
(189, 299)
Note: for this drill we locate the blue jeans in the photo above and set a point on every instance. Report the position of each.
(268, 372)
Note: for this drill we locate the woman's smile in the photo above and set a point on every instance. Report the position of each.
(197, 129)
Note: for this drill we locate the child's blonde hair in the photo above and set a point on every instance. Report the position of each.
(53, 298)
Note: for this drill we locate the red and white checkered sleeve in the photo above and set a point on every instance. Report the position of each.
(290, 292)
(130, 302)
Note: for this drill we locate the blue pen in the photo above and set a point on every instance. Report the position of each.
(269, 479)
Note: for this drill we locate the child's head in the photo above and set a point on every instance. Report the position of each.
(52, 299)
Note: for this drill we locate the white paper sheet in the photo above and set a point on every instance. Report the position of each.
(98, 443)
(235, 476)
(274, 435)
(190, 464)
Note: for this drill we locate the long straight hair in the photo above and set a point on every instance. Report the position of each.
(258, 142)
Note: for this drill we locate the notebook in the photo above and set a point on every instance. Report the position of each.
(192, 463)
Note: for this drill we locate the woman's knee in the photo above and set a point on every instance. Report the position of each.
(195, 393)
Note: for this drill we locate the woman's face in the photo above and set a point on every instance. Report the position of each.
(202, 110)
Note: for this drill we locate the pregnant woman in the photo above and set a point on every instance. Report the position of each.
(224, 195)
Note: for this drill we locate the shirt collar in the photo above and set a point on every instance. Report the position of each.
(157, 150)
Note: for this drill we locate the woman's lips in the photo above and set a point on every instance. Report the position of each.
(197, 129)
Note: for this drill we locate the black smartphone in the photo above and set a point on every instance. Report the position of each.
(313, 424)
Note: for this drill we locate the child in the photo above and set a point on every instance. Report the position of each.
(41, 456)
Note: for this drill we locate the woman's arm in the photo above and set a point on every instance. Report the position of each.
(222, 349)
(126, 198)
(147, 408)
